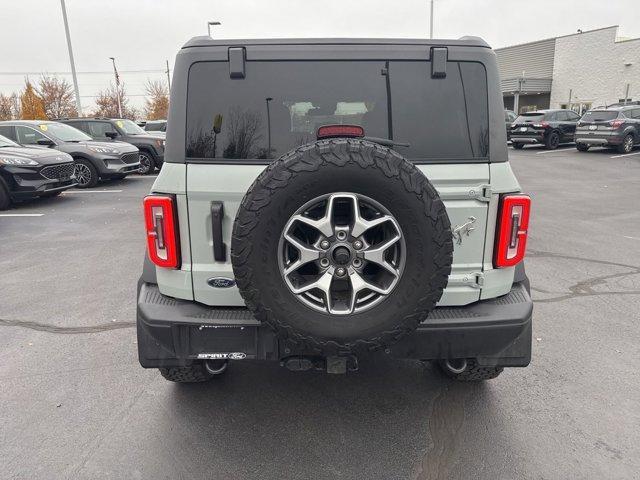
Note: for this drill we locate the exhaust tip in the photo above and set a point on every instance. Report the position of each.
(456, 365)
(216, 367)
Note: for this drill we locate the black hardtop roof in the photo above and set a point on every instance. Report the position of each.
(206, 41)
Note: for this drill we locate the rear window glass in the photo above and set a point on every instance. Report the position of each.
(529, 117)
(599, 116)
(281, 105)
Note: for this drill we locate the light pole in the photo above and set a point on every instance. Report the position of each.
(73, 65)
(268, 99)
(115, 72)
(168, 76)
(431, 21)
(209, 24)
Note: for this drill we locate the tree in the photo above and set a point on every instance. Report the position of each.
(31, 104)
(7, 107)
(156, 106)
(57, 97)
(107, 103)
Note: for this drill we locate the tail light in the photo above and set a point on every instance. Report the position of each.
(541, 125)
(513, 225)
(615, 124)
(329, 131)
(162, 231)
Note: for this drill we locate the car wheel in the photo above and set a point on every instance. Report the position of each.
(5, 198)
(355, 228)
(468, 370)
(582, 147)
(627, 144)
(147, 164)
(195, 373)
(86, 174)
(552, 141)
(517, 146)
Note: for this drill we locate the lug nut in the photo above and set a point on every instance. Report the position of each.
(324, 262)
(357, 244)
(340, 271)
(341, 235)
(357, 262)
(324, 244)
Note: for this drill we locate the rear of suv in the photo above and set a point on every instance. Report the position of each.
(151, 145)
(617, 127)
(550, 128)
(316, 209)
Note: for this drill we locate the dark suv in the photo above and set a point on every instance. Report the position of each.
(151, 145)
(544, 127)
(611, 127)
(93, 160)
(32, 172)
(156, 126)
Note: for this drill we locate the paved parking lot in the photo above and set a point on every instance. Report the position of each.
(74, 402)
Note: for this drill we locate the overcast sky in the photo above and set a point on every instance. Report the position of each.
(142, 34)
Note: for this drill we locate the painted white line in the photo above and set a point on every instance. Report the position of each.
(631, 238)
(21, 214)
(66, 192)
(554, 151)
(626, 155)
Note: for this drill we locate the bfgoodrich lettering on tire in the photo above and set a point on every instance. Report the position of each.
(342, 244)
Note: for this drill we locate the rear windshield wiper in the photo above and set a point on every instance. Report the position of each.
(386, 142)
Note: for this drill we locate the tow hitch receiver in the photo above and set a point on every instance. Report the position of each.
(339, 364)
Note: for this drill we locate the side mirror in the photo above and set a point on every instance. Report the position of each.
(111, 135)
(47, 142)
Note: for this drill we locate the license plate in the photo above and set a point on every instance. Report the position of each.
(523, 129)
(593, 127)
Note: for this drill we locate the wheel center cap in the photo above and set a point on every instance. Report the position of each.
(341, 255)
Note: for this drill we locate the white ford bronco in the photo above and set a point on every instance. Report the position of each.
(325, 201)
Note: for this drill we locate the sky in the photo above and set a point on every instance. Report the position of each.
(143, 34)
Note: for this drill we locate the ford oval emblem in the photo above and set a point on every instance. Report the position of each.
(221, 282)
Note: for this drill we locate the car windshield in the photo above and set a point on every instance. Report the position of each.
(5, 142)
(599, 116)
(63, 132)
(529, 117)
(129, 128)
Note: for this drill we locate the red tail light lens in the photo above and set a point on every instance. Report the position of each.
(513, 225)
(162, 230)
(616, 123)
(328, 131)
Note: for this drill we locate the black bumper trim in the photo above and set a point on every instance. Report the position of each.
(173, 332)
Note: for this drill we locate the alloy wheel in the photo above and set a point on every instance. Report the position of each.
(83, 174)
(341, 253)
(145, 164)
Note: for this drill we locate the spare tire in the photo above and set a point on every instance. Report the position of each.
(341, 244)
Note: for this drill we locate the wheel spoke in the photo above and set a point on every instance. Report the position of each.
(306, 254)
(359, 284)
(376, 255)
(323, 283)
(323, 225)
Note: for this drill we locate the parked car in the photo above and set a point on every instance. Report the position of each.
(32, 172)
(545, 127)
(156, 126)
(151, 146)
(509, 117)
(344, 245)
(94, 161)
(617, 127)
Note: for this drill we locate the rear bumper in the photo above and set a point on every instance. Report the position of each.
(174, 332)
(599, 139)
(534, 139)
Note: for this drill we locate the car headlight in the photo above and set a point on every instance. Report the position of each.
(160, 143)
(103, 149)
(17, 161)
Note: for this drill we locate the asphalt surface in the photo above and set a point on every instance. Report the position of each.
(74, 402)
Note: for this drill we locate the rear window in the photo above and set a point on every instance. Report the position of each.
(529, 117)
(280, 105)
(599, 116)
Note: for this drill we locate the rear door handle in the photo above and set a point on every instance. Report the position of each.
(219, 248)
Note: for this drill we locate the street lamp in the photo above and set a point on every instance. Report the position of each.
(268, 99)
(73, 64)
(209, 24)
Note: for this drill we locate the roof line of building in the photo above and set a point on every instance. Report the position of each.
(560, 36)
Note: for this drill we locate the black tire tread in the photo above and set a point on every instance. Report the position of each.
(5, 198)
(192, 374)
(473, 372)
(310, 158)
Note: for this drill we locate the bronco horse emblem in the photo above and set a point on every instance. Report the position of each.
(464, 230)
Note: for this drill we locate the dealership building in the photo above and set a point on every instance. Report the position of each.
(580, 71)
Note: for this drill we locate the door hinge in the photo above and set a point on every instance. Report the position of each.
(481, 193)
(473, 279)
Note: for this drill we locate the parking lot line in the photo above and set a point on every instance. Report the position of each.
(91, 191)
(554, 151)
(21, 214)
(625, 155)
